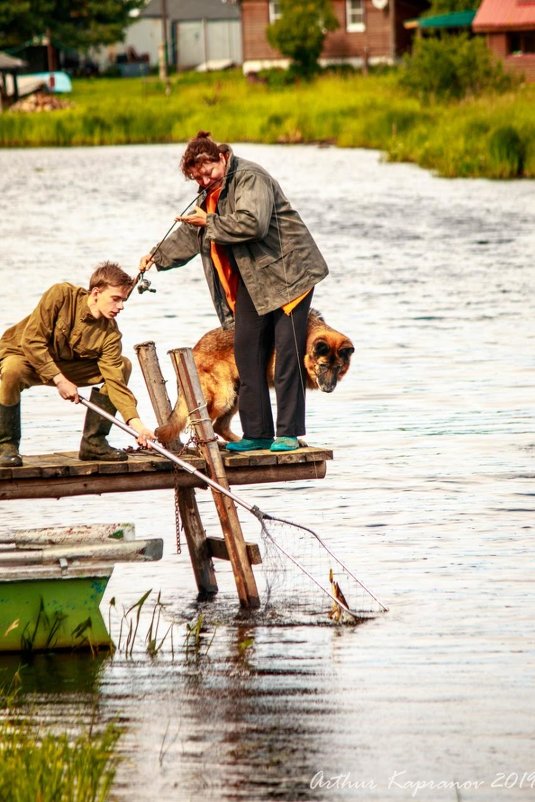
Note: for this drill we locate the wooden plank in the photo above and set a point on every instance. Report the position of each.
(26, 471)
(97, 484)
(276, 473)
(253, 458)
(31, 573)
(218, 549)
(78, 467)
(190, 386)
(115, 551)
(49, 535)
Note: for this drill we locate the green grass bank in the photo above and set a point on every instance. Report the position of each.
(492, 136)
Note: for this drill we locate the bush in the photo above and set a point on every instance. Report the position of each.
(507, 152)
(300, 31)
(452, 67)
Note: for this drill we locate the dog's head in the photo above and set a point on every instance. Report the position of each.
(327, 358)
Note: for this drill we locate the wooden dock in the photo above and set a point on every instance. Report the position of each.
(63, 474)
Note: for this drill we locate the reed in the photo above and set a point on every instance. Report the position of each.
(56, 768)
(487, 136)
(37, 763)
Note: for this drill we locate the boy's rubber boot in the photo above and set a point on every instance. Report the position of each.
(94, 445)
(10, 436)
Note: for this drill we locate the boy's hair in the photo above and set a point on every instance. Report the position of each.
(109, 274)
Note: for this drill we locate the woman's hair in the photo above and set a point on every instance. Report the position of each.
(201, 149)
(109, 274)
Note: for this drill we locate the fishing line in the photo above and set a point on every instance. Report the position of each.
(354, 588)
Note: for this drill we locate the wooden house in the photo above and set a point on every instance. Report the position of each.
(370, 32)
(509, 27)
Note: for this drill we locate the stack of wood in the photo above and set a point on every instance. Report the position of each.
(41, 101)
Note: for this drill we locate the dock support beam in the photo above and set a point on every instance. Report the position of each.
(198, 547)
(184, 365)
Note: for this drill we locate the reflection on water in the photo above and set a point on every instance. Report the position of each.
(429, 497)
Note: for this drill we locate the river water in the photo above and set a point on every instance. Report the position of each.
(430, 496)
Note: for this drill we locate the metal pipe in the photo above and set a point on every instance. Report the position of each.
(165, 453)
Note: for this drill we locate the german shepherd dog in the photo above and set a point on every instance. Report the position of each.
(327, 359)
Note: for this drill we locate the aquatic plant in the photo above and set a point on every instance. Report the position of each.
(154, 640)
(39, 763)
(50, 767)
(194, 637)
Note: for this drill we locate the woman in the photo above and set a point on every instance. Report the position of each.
(261, 265)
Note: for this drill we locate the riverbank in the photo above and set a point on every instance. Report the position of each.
(491, 136)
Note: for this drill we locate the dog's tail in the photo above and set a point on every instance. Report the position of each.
(169, 431)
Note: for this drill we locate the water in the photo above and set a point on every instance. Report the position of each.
(430, 497)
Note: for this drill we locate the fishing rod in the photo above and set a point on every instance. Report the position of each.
(143, 284)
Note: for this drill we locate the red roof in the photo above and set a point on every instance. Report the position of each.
(495, 15)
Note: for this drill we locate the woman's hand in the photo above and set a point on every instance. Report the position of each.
(146, 262)
(198, 218)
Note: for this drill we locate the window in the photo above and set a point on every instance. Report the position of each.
(521, 42)
(274, 10)
(355, 15)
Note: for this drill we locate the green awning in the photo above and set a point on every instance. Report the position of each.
(457, 19)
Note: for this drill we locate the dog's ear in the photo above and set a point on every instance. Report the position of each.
(345, 352)
(321, 348)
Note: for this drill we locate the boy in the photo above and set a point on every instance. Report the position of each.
(71, 339)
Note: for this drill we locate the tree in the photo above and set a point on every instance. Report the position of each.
(77, 24)
(449, 6)
(300, 31)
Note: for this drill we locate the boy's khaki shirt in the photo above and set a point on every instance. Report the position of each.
(62, 329)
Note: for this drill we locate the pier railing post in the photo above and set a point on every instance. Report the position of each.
(199, 551)
(150, 367)
(184, 365)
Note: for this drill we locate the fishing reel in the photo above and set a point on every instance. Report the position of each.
(144, 286)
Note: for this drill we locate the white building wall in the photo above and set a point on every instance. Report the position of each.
(208, 42)
(144, 36)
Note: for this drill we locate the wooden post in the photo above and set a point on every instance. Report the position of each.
(198, 548)
(150, 367)
(184, 365)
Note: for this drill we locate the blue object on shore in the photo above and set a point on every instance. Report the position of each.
(57, 82)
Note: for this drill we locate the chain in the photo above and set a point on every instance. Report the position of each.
(178, 519)
(193, 442)
(177, 472)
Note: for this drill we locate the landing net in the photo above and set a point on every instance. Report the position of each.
(301, 572)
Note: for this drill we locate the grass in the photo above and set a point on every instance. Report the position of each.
(44, 767)
(491, 136)
(39, 765)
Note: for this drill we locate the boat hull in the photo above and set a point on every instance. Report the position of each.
(51, 614)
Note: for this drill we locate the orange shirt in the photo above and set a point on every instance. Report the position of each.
(227, 275)
(223, 265)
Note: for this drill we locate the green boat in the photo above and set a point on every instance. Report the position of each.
(52, 581)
